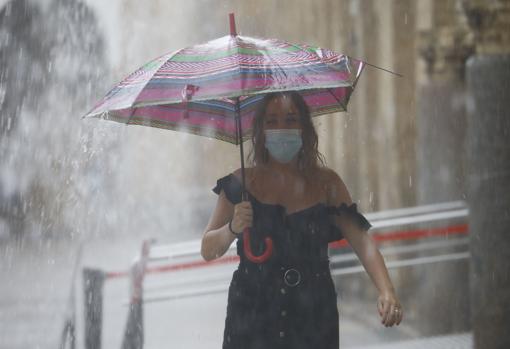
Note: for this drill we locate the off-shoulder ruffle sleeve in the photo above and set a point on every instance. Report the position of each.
(352, 212)
(231, 186)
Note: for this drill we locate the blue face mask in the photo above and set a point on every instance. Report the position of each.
(283, 144)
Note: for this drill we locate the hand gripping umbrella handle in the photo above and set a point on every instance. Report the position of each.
(249, 254)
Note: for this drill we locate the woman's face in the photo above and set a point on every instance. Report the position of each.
(281, 113)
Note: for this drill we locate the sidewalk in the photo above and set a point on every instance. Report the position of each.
(454, 341)
(361, 328)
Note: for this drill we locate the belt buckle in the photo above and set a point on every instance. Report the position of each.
(292, 277)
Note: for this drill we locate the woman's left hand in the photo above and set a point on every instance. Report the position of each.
(389, 309)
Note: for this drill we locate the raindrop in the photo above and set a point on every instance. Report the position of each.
(410, 181)
(8, 9)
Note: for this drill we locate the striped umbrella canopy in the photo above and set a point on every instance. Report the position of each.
(200, 89)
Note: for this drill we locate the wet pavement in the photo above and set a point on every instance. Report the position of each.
(36, 285)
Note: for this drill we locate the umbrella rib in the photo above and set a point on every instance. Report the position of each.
(155, 71)
(336, 98)
(171, 55)
(386, 70)
(302, 49)
(130, 115)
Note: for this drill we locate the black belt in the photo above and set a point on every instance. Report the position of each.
(291, 274)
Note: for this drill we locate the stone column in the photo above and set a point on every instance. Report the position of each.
(332, 126)
(488, 168)
(404, 20)
(443, 45)
(361, 146)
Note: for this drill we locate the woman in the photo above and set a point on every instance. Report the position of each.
(289, 301)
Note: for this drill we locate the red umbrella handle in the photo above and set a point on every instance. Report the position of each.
(249, 254)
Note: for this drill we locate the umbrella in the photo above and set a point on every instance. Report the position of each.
(213, 89)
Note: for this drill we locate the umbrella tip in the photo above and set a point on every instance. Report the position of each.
(232, 24)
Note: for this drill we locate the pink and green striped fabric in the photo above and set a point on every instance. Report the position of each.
(194, 89)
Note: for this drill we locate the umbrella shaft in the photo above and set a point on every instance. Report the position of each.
(239, 132)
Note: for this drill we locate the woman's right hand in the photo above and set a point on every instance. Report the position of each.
(243, 216)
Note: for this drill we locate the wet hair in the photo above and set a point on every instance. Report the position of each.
(309, 159)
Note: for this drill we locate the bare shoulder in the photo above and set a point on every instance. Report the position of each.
(328, 176)
(336, 189)
(248, 173)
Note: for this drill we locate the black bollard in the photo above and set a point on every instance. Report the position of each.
(133, 334)
(93, 281)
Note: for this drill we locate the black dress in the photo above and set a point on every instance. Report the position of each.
(289, 301)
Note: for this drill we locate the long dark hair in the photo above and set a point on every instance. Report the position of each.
(309, 158)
